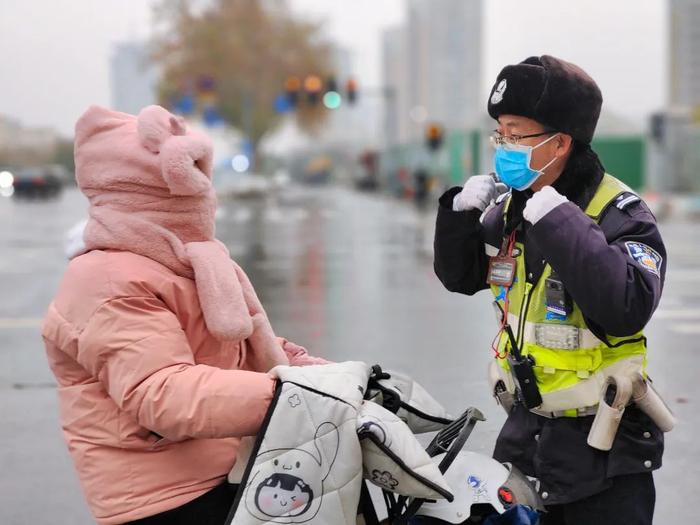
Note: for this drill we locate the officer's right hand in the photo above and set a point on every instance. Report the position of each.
(478, 192)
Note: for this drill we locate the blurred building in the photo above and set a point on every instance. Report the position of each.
(134, 78)
(685, 53)
(26, 146)
(433, 68)
(395, 68)
(14, 136)
(674, 148)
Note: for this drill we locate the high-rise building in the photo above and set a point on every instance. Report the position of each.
(685, 53)
(134, 78)
(433, 65)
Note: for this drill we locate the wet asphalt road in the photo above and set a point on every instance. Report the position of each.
(347, 275)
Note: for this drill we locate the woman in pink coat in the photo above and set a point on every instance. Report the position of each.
(158, 342)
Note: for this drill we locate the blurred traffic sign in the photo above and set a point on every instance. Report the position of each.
(206, 84)
(184, 105)
(212, 117)
(282, 103)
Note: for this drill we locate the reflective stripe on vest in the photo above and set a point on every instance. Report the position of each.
(571, 363)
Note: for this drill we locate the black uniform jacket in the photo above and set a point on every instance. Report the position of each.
(604, 270)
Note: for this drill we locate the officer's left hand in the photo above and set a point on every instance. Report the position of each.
(541, 203)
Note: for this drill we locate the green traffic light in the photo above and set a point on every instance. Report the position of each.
(332, 100)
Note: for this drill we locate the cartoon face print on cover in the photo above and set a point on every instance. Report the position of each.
(282, 494)
(286, 485)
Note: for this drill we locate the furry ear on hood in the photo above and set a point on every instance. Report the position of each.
(186, 164)
(155, 125)
(185, 158)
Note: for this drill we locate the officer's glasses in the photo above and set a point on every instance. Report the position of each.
(499, 139)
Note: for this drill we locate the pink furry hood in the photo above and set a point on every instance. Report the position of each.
(148, 180)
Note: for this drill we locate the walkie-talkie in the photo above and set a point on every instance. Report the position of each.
(523, 373)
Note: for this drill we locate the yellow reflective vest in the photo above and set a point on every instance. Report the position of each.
(570, 362)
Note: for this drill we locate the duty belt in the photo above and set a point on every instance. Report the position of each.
(580, 412)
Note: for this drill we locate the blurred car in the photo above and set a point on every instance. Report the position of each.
(43, 182)
(7, 181)
(319, 170)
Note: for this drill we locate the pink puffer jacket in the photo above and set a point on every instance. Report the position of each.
(155, 385)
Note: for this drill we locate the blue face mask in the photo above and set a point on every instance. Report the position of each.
(513, 165)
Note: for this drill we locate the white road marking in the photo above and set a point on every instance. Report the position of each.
(670, 301)
(685, 328)
(678, 313)
(683, 275)
(241, 215)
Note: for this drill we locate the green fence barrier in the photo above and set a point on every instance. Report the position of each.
(460, 156)
(623, 157)
(464, 155)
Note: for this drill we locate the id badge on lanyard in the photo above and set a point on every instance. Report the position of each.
(502, 267)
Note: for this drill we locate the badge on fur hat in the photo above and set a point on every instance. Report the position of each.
(499, 91)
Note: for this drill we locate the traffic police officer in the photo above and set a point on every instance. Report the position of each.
(577, 265)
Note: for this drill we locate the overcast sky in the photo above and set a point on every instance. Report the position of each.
(54, 54)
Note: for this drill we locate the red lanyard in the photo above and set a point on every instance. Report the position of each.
(506, 303)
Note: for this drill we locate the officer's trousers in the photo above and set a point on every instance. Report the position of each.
(630, 501)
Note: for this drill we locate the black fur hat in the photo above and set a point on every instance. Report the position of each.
(555, 93)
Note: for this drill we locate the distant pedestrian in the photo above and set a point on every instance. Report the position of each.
(422, 186)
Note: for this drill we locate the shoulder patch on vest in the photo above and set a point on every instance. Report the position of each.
(646, 256)
(625, 200)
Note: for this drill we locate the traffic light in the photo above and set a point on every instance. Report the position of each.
(313, 86)
(315, 90)
(351, 90)
(433, 136)
(291, 89)
(658, 127)
(331, 84)
(331, 98)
